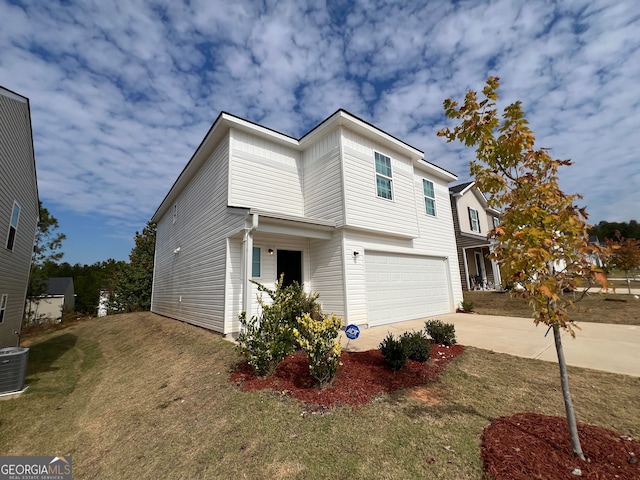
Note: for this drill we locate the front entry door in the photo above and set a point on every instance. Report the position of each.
(289, 262)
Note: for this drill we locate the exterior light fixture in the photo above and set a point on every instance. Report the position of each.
(355, 254)
(270, 251)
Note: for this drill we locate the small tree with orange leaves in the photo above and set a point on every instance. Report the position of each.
(542, 242)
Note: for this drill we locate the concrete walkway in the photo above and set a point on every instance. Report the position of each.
(610, 348)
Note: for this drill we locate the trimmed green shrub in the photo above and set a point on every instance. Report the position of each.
(416, 345)
(441, 333)
(467, 306)
(394, 353)
(268, 339)
(319, 339)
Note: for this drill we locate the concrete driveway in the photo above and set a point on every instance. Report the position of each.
(610, 348)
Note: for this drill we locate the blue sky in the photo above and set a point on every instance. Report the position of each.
(123, 92)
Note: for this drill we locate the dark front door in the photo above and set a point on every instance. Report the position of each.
(290, 263)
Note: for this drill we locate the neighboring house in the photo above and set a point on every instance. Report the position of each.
(58, 299)
(473, 220)
(103, 302)
(352, 212)
(19, 211)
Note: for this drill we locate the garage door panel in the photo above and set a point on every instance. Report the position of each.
(405, 287)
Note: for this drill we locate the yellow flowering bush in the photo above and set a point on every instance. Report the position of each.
(319, 339)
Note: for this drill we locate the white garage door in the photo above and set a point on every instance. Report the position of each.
(405, 287)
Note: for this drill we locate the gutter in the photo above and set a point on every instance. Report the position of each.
(247, 251)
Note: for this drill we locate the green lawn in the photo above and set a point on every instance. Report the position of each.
(595, 307)
(142, 396)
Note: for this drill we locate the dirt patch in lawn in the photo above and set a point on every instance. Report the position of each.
(361, 377)
(528, 445)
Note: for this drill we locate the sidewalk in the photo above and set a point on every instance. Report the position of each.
(610, 348)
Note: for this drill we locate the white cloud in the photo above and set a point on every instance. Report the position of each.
(122, 93)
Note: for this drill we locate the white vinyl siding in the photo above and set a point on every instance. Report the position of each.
(322, 170)
(363, 208)
(264, 175)
(190, 285)
(326, 274)
(429, 197)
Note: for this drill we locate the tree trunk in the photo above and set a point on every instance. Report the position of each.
(568, 403)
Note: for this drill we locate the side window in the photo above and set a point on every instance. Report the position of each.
(256, 262)
(13, 226)
(175, 213)
(3, 306)
(383, 176)
(474, 220)
(429, 197)
(496, 222)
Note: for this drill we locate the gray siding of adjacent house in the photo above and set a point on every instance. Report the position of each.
(17, 184)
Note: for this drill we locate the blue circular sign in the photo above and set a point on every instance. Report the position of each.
(352, 332)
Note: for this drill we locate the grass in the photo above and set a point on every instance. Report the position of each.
(129, 396)
(595, 307)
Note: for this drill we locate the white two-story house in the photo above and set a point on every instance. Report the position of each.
(19, 211)
(348, 210)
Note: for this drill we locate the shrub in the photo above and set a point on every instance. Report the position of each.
(416, 345)
(394, 353)
(266, 340)
(319, 339)
(467, 306)
(442, 333)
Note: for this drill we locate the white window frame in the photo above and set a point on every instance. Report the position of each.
(496, 222)
(383, 176)
(256, 262)
(429, 199)
(3, 305)
(473, 211)
(11, 238)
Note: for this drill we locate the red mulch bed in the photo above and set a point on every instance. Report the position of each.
(361, 376)
(532, 446)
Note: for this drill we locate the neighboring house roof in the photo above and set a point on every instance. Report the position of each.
(57, 286)
(460, 188)
(341, 117)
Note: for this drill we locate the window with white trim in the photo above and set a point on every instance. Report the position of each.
(496, 222)
(3, 306)
(474, 220)
(13, 226)
(383, 176)
(429, 197)
(256, 262)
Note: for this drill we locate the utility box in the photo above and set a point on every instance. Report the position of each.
(13, 368)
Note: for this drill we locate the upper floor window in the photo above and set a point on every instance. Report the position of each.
(496, 222)
(383, 176)
(474, 220)
(429, 197)
(13, 226)
(3, 306)
(255, 262)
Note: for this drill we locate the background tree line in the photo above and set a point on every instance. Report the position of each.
(607, 230)
(129, 283)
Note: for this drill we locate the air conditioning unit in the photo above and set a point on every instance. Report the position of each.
(13, 368)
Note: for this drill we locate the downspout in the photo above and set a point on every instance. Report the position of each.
(247, 251)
